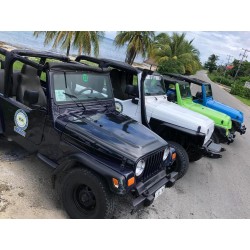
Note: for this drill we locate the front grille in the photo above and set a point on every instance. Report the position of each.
(153, 165)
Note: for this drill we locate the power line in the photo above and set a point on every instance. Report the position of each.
(243, 56)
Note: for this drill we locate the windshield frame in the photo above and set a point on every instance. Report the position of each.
(181, 93)
(208, 87)
(78, 100)
(161, 81)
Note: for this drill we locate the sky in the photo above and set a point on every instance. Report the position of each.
(221, 43)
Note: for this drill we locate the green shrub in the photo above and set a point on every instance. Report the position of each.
(171, 66)
(221, 79)
(240, 90)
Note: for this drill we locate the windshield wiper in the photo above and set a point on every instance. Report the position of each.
(78, 104)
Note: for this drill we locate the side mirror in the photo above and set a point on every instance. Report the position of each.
(171, 97)
(30, 97)
(132, 90)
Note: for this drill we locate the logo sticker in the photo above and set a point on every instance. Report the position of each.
(118, 106)
(21, 122)
(85, 78)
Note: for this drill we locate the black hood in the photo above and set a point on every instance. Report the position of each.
(114, 131)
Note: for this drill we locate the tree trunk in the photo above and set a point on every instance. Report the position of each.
(130, 56)
(68, 49)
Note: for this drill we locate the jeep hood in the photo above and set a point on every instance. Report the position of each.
(220, 119)
(160, 108)
(235, 114)
(113, 131)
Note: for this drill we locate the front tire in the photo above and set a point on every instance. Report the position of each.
(181, 163)
(194, 154)
(85, 195)
(215, 138)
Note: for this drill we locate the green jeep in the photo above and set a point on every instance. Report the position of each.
(179, 92)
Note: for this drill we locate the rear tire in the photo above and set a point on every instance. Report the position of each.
(85, 195)
(181, 163)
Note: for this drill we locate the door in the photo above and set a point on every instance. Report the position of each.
(23, 124)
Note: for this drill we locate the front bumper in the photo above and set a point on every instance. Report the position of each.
(223, 136)
(212, 149)
(242, 129)
(145, 192)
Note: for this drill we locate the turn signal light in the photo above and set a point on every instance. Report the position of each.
(173, 156)
(115, 182)
(131, 181)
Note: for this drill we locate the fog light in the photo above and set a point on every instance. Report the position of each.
(115, 182)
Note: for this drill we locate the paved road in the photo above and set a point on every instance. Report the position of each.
(212, 188)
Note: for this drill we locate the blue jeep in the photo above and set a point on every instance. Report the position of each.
(204, 96)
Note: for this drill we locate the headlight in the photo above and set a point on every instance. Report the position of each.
(140, 167)
(165, 154)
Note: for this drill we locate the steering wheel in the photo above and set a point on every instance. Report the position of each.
(83, 90)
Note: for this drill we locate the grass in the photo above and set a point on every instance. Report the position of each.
(244, 100)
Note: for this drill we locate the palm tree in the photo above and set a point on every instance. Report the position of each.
(175, 47)
(83, 40)
(139, 42)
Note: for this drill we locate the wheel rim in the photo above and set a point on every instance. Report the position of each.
(84, 199)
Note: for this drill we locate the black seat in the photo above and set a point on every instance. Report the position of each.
(198, 95)
(29, 80)
(15, 78)
(115, 76)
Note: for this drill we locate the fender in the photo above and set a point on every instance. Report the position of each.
(89, 162)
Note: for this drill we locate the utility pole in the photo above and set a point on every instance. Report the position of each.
(243, 56)
(229, 57)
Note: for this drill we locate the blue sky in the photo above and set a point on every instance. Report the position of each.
(221, 43)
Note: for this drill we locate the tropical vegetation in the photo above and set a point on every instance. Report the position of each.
(138, 42)
(226, 75)
(175, 54)
(84, 41)
(210, 64)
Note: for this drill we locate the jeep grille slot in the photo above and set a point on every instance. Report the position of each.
(153, 165)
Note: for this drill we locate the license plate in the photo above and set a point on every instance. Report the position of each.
(159, 192)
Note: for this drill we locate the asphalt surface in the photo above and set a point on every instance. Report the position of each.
(212, 188)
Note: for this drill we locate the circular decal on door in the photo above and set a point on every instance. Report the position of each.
(118, 106)
(21, 122)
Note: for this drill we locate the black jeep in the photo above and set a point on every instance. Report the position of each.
(65, 113)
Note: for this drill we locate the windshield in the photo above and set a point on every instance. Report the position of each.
(185, 91)
(154, 85)
(208, 91)
(81, 86)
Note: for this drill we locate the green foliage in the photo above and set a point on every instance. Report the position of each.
(221, 79)
(242, 80)
(139, 42)
(178, 51)
(82, 40)
(171, 66)
(211, 63)
(244, 69)
(240, 90)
